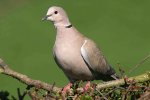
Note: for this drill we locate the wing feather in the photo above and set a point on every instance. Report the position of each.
(94, 58)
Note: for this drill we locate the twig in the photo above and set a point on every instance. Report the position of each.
(4, 69)
(21, 96)
(33, 95)
(145, 96)
(101, 95)
(138, 64)
(53, 85)
(140, 78)
(125, 96)
(121, 70)
(114, 90)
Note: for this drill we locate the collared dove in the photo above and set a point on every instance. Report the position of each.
(78, 56)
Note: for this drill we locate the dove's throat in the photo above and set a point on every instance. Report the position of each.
(62, 23)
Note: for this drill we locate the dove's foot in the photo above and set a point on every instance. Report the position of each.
(87, 86)
(68, 86)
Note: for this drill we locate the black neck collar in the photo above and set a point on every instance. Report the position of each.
(69, 26)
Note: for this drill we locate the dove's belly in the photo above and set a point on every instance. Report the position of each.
(71, 62)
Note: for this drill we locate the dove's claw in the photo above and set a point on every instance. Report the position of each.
(68, 86)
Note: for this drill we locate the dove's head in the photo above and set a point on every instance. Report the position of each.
(57, 15)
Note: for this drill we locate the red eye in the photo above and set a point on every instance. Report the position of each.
(56, 12)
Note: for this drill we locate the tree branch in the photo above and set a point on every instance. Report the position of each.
(4, 69)
(136, 79)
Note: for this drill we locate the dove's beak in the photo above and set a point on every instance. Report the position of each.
(45, 17)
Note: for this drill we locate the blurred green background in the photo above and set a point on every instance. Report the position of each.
(121, 28)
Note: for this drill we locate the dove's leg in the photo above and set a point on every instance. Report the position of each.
(68, 86)
(87, 86)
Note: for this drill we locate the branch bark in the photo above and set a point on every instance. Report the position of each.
(4, 69)
(136, 79)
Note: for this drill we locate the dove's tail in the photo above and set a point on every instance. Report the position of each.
(108, 76)
(113, 74)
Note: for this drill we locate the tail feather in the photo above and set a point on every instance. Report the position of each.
(108, 76)
(115, 76)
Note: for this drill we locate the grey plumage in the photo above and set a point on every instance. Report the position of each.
(78, 56)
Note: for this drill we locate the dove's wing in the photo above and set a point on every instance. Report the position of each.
(94, 58)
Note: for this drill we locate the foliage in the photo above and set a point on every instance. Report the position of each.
(130, 91)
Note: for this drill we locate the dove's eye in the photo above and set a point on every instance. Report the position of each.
(56, 12)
